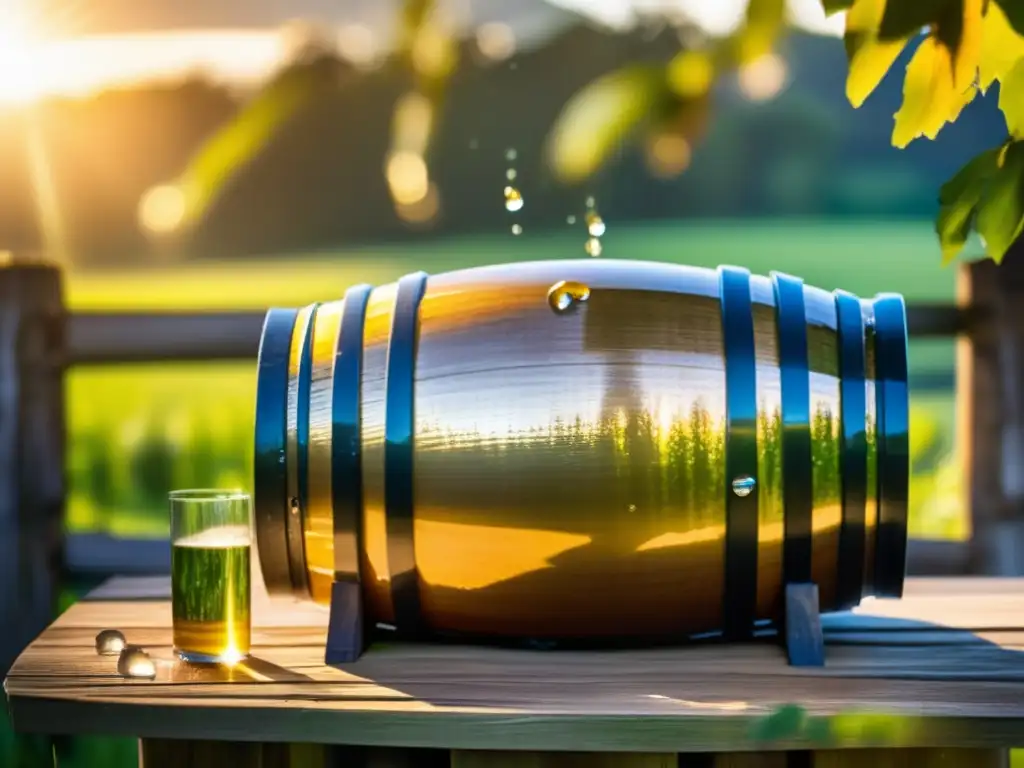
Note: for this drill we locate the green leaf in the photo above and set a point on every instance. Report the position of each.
(869, 57)
(958, 199)
(1014, 10)
(968, 180)
(600, 116)
(903, 18)
(1001, 47)
(1011, 100)
(766, 13)
(239, 142)
(835, 6)
(1001, 207)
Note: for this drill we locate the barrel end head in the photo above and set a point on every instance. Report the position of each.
(893, 447)
(270, 502)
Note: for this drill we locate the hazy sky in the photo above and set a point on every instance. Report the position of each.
(716, 16)
(129, 40)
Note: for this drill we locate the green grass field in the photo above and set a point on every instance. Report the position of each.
(864, 258)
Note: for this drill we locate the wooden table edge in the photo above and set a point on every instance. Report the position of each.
(507, 731)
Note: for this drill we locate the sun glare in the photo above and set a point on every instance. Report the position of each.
(32, 66)
(18, 81)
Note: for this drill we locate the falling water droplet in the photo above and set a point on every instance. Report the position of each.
(511, 154)
(632, 507)
(517, 229)
(595, 225)
(743, 485)
(110, 642)
(590, 201)
(510, 174)
(565, 295)
(513, 199)
(593, 247)
(570, 219)
(135, 662)
(474, 143)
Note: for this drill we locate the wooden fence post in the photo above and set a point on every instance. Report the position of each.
(31, 451)
(990, 405)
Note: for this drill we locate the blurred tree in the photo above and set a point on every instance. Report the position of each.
(963, 47)
(967, 45)
(153, 463)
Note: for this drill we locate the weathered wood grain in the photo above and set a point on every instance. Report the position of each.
(898, 674)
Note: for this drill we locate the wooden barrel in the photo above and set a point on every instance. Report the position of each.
(587, 449)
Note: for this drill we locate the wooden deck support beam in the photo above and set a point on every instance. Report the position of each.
(31, 452)
(990, 407)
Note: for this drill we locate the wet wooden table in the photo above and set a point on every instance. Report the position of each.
(935, 679)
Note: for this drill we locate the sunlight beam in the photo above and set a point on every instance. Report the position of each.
(44, 192)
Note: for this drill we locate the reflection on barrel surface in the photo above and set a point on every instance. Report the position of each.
(525, 468)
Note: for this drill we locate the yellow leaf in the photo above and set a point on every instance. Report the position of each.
(690, 73)
(929, 97)
(1001, 47)
(1011, 100)
(599, 117)
(764, 21)
(961, 98)
(964, 41)
(1014, 11)
(870, 58)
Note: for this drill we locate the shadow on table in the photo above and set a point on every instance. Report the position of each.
(865, 656)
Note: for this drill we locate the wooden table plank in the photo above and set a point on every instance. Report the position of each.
(942, 667)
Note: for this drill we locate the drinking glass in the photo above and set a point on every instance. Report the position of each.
(211, 542)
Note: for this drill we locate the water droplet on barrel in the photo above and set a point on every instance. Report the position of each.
(135, 662)
(743, 485)
(294, 504)
(110, 642)
(565, 295)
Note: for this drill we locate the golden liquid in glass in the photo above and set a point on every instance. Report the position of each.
(210, 595)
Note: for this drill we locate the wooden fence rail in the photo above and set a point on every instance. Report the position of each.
(39, 340)
(144, 337)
